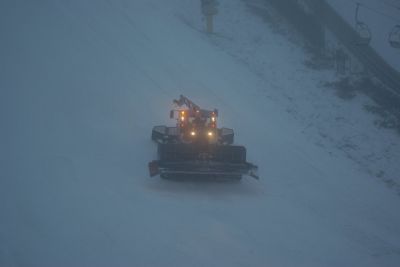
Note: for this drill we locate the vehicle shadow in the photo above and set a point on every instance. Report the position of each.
(207, 187)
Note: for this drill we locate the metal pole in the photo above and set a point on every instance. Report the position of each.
(210, 25)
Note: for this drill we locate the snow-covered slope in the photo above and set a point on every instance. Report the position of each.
(341, 127)
(81, 85)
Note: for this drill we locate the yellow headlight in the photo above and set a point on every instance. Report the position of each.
(210, 133)
(192, 133)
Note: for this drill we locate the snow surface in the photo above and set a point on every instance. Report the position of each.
(380, 16)
(81, 85)
(340, 127)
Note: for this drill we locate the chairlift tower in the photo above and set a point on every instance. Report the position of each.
(209, 10)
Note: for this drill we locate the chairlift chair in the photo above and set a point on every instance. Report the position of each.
(364, 35)
(394, 37)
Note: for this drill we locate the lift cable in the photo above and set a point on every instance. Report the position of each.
(375, 10)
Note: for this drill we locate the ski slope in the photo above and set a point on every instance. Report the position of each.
(81, 85)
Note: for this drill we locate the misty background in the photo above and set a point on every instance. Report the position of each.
(82, 83)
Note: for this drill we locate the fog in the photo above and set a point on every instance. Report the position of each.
(82, 83)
